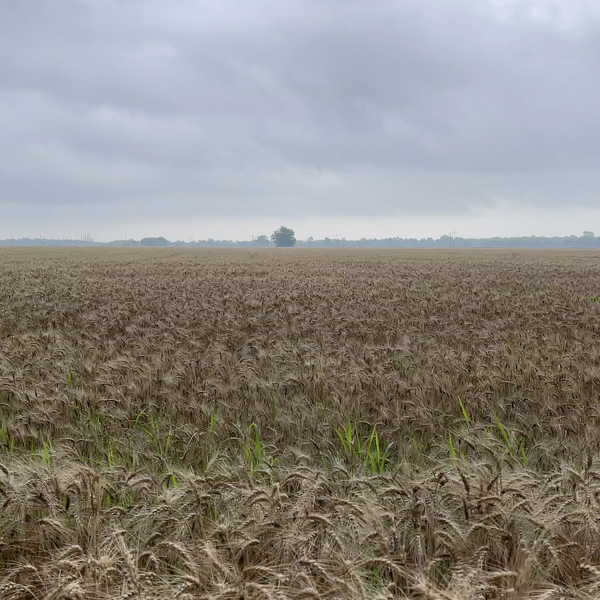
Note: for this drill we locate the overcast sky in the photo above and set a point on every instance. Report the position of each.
(227, 118)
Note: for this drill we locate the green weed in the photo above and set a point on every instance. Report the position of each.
(214, 420)
(369, 452)
(503, 433)
(451, 450)
(46, 450)
(254, 450)
(376, 459)
(464, 413)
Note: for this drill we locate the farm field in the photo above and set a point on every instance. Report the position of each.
(348, 424)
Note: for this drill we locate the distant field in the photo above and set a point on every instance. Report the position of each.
(240, 424)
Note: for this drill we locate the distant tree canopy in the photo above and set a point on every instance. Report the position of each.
(154, 241)
(284, 237)
(262, 240)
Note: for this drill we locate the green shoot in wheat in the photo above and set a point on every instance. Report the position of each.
(464, 413)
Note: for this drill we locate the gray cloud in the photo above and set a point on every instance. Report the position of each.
(297, 107)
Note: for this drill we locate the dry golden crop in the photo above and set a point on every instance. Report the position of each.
(299, 424)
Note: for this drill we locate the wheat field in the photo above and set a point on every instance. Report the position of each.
(260, 424)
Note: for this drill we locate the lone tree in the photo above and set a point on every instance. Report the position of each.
(284, 237)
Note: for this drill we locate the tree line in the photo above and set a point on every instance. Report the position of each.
(286, 237)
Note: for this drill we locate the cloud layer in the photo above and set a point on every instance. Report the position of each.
(296, 108)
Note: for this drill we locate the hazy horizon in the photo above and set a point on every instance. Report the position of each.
(483, 225)
(227, 119)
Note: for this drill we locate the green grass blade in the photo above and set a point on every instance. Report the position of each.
(464, 412)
